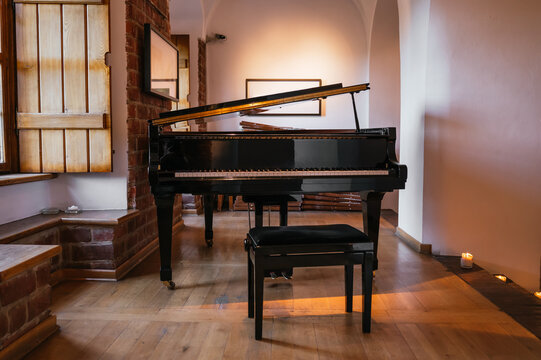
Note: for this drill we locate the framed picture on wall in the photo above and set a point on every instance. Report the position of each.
(262, 87)
(161, 65)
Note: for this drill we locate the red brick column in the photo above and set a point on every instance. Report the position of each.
(142, 107)
(202, 79)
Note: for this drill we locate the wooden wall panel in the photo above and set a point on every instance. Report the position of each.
(61, 121)
(50, 58)
(27, 83)
(30, 151)
(75, 99)
(74, 58)
(52, 151)
(27, 57)
(50, 65)
(95, 2)
(98, 86)
(76, 150)
(63, 84)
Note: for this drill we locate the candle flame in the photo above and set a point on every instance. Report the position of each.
(501, 277)
(538, 294)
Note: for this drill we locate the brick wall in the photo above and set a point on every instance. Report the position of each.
(141, 108)
(91, 246)
(24, 302)
(202, 81)
(49, 236)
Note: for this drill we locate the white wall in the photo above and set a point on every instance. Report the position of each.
(288, 39)
(482, 170)
(187, 19)
(385, 77)
(413, 18)
(470, 131)
(89, 191)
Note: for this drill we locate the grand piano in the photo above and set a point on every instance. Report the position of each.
(268, 162)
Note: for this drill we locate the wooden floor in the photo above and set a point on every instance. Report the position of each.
(420, 310)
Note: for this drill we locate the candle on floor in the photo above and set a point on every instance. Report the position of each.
(466, 262)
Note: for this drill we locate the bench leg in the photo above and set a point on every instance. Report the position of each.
(259, 279)
(250, 287)
(367, 290)
(348, 272)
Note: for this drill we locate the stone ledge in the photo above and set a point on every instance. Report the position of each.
(12, 179)
(21, 228)
(19, 258)
(97, 245)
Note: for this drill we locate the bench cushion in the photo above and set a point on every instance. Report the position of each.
(309, 234)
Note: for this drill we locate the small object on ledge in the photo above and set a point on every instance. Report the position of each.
(501, 277)
(73, 209)
(49, 211)
(466, 261)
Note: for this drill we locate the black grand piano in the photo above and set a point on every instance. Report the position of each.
(268, 162)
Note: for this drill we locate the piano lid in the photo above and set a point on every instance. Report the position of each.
(171, 117)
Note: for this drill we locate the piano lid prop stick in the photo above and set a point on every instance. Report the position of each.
(357, 127)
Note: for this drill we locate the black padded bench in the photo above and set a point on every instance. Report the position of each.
(303, 246)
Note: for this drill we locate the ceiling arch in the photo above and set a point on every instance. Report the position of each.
(191, 14)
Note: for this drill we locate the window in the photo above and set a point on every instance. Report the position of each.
(8, 148)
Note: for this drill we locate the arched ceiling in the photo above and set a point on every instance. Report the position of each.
(188, 13)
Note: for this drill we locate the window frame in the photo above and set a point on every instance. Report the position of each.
(9, 92)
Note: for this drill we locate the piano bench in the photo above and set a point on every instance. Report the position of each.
(304, 246)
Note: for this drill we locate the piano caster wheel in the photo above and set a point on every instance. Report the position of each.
(285, 275)
(273, 275)
(208, 238)
(169, 284)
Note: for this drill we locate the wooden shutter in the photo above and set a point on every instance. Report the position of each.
(63, 86)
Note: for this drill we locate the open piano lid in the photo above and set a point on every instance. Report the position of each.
(171, 117)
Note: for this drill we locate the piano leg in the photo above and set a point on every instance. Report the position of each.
(258, 206)
(164, 206)
(283, 212)
(371, 204)
(208, 204)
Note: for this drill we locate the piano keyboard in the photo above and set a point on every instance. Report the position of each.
(278, 173)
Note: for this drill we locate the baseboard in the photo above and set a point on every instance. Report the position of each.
(29, 341)
(111, 274)
(413, 243)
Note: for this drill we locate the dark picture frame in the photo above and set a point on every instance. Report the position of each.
(261, 87)
(161, 76)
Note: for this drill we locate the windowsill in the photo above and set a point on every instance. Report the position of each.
(11, 179)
